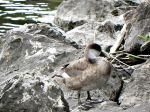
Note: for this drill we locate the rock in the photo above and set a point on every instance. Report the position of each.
(35, 46)
(29, 56)
(72, 13)
(137, 90)
(107, 106)
(32, 92)
(101, 33)
(138, 25)
(122, 6)
(144, 107)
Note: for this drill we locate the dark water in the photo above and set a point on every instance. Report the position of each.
(14, 13)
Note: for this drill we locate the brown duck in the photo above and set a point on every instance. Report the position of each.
(88, 73)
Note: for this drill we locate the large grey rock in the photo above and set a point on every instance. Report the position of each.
(73, 13)
(104, 34)
(38, 45)
(138, 26)
(137, 90)
(32, 92)
(27, 60)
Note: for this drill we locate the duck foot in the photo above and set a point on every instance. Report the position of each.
(88, 96)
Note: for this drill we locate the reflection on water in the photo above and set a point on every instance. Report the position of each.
(14, 13)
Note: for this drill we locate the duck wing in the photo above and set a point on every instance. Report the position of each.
(76, 67)
(96, 75)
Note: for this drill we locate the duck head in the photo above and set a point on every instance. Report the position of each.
(92, 51)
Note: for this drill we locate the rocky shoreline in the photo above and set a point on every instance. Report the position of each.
(32, 54)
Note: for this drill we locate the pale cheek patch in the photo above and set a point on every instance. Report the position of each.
(65, 75)
(92, 54)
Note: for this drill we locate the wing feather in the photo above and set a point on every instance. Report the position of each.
(76, 68)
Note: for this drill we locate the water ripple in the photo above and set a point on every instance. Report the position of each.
(14, 13)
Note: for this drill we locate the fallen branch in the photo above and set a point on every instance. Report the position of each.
(119, 40)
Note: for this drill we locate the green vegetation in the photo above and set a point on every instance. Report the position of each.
(144, 38)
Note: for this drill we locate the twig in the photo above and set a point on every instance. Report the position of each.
(118, 52)
(119, 61)
(119, 39)
(144, 56)
(114, 58)
(135, 57)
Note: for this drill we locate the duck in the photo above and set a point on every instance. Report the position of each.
(90, 72)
